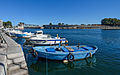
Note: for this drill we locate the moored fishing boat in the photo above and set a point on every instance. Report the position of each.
(46, 40)
(36, 34)
(20, 35)
(69, 53)
(28, 34)
(13, 32)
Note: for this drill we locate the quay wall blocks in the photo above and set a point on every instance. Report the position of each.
(3, 65)
(13, 56)
(12, 61)
(17, 60)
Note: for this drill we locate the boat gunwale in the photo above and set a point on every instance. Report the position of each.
(47, 39)
(64, 53)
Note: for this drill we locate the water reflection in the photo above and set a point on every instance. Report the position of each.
(45, 66)
(111, 37)
(20, 41)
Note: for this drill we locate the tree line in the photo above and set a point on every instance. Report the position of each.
(110, 21)
(58, 24)
(7, 24)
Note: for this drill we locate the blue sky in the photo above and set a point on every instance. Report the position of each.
(66, 11)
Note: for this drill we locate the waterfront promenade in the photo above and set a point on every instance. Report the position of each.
(12, 61)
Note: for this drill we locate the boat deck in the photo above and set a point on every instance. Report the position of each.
(63, 49)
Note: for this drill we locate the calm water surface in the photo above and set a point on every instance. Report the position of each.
(106, 61)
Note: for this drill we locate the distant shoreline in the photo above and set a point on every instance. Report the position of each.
(89, 26)
(102, 27)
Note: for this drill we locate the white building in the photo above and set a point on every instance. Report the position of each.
(20, 26)
(1, 24)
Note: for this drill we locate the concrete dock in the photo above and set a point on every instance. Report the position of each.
(12, 61)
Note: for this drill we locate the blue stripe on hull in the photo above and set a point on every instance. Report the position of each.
(77, 56)
(52, 57)
(45, 44)
(20, 35)
(49, 40)
(12, 34)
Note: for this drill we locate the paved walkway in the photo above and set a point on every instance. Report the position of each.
(12, 61)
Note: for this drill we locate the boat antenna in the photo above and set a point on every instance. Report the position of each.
(57, 36)
(78, 45)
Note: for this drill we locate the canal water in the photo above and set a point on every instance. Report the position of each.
(106, 61)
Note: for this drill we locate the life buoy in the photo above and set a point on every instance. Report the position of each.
(70, 57)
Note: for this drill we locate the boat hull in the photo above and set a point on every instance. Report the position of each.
(77, 56)
(64, 55)
(12, 34)
(20, 35)
(46, 42)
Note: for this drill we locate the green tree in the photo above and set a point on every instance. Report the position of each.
(66, 24)
(110, 21)
(7, 24)
(62, 23)
(50, 23)
(59, 24)
(82, 24)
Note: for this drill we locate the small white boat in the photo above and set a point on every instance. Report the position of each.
(13, 32)
(46, 40)
(40, 34)
(36, 34)
(28, 34)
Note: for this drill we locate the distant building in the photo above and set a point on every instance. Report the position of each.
(1, 24)
(60, 26)
(32, 26)
(20, 25)
(82, 26)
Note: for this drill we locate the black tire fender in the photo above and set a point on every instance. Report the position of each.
(70, 57)
(35, 54)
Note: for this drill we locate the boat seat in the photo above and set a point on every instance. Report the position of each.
(87, 48)
(64, 49)
(70, 49)
(78, 49)
(50, 50)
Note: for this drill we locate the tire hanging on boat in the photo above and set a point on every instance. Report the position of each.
(35, 54)
(70, 57)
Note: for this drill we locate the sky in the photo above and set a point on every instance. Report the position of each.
(43, 12)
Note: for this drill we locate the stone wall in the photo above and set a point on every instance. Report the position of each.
(12, 61)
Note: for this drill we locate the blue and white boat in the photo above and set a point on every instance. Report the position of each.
(65, 52)
(36, 34)
(20, 35)
(46, 40)
(24, 34)
(12, 32)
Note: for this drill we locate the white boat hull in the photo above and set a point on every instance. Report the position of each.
(50, 42)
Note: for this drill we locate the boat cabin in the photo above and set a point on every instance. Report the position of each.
(39, 32)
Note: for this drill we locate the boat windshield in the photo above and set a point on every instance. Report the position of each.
(38, 33)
